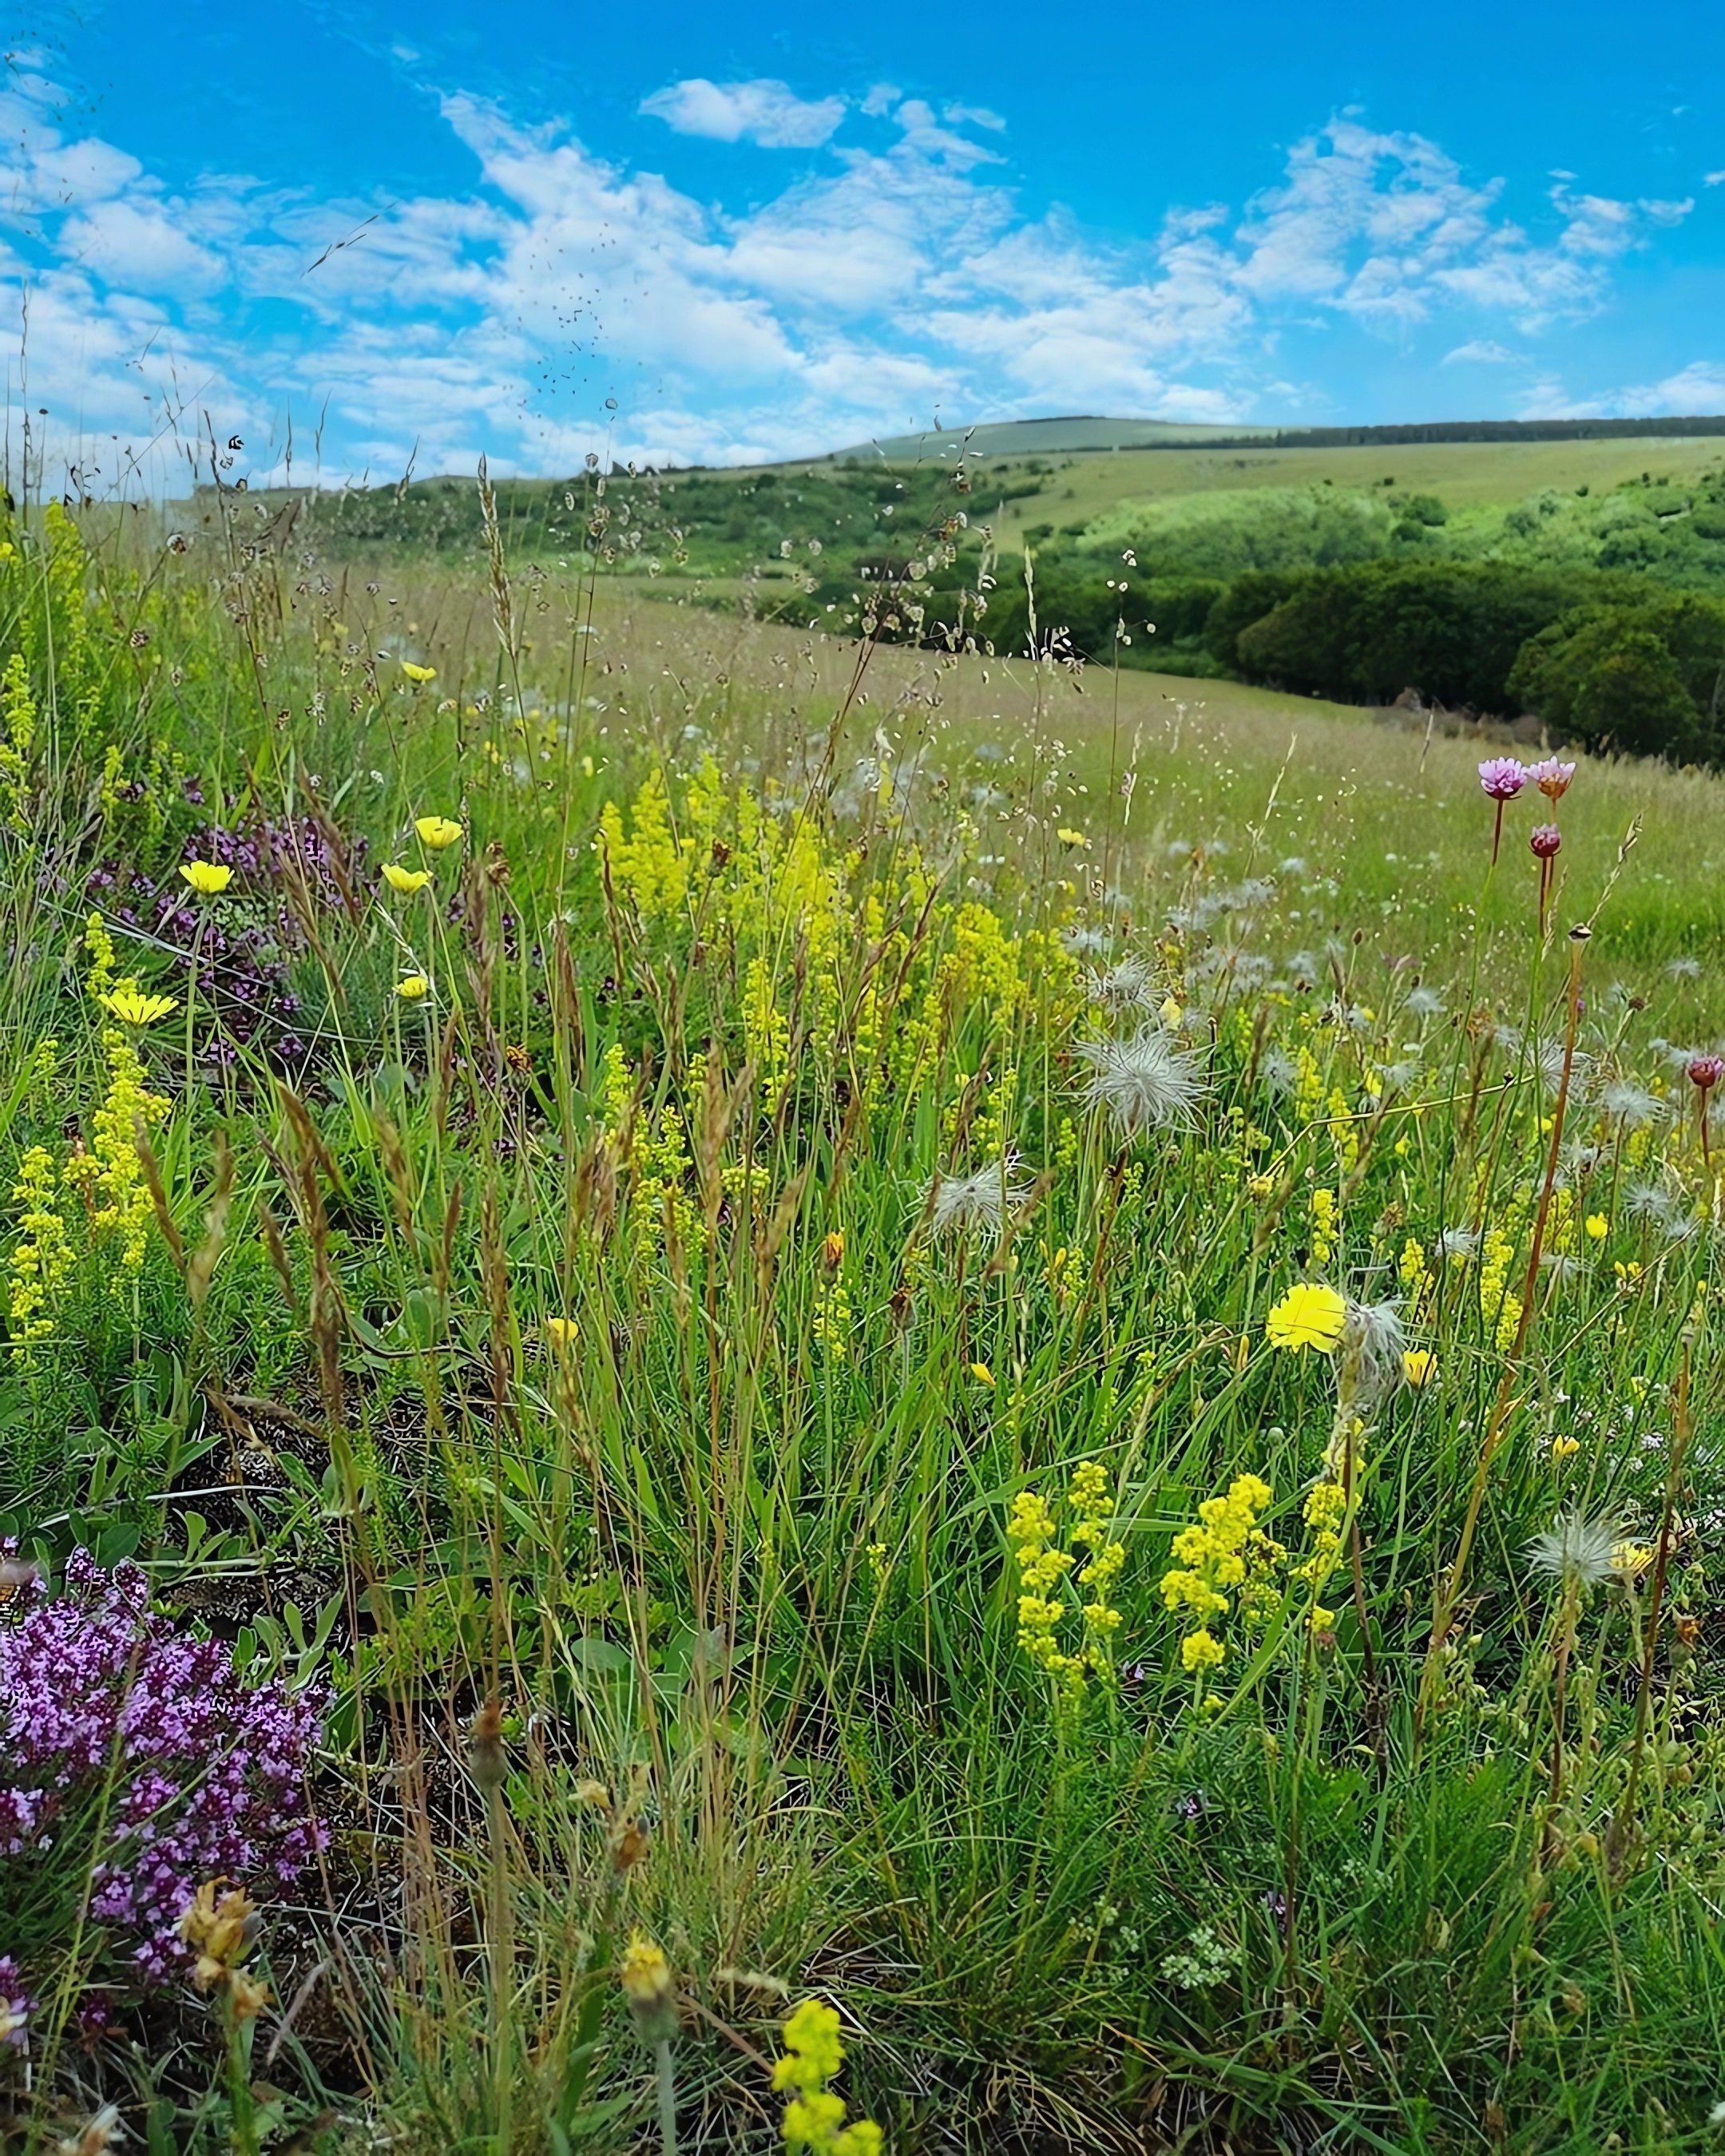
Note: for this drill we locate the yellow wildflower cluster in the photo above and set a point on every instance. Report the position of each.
(1412, 1270)
(1500, 1306)
(17, 743)
(1324, 1508)
(1043, 1565)
(110, 1176)
(814, 2118)
(1212, 1560)
(42, 1257)
(1323, 1226)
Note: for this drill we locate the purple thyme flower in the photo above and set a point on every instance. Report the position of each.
(206, 1773)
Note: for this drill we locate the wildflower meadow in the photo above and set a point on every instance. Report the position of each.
(760, 1393)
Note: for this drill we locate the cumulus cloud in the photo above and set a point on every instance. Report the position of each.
(763, 112)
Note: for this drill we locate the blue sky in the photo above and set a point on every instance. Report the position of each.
(352, 234)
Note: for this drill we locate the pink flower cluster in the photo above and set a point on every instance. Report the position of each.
(209, 1773)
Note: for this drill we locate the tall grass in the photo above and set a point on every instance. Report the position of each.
(610, 1375)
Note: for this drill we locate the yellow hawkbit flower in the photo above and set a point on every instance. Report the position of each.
(418, 674)
(1419, 1366)
(407, 881)
(1307, 1315)
(647, 1984)
(209, 879)
(1598, 1227)
(413, 987)
(560, 1331)
(1073, 838)
(130, 1004)
(438, 831)
(832, 1250)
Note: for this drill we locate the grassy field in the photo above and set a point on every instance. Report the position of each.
(1463, 474)
(833, 1398)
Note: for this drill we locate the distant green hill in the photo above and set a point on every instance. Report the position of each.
(1042, 438)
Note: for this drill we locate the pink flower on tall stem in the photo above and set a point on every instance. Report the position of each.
(1551, 777)
(1545, 839)
(1502, 778)
(1705, 1072)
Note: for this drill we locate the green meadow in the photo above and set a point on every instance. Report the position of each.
(767, 1388)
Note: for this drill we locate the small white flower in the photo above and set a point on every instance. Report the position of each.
(1146, 1083)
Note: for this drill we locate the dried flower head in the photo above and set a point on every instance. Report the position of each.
(1546, 840)
(957, 1204)
(1146, 1083)
(1576, 1551)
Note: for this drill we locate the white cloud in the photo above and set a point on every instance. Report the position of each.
(764, 112)
(1714, 180)
(880, 283)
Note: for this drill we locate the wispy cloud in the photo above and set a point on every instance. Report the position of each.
(1482, 351)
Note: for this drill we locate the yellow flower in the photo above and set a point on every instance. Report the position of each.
(411, 989)
(1630, 1560)
(1419, 1366)
(1598, 1227)
(437, 832)
(1565, 1448)
(560, 1331)
(983, 1374)
(206, 878)
(1200, 1651)
(1071, 838)
(832, 1250)
(1308, 1316)
(418, 674)
(133, 1006)
(407, 881)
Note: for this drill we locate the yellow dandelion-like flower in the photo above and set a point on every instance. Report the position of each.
(209, 879)
(416, 674)
(1074, 839)
(133, 1006)
(1307, 1315)
(413, 987)
(1598, 1227)
(1419, 1366)
(560, 1331)
(438, 831)
(407, 881)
